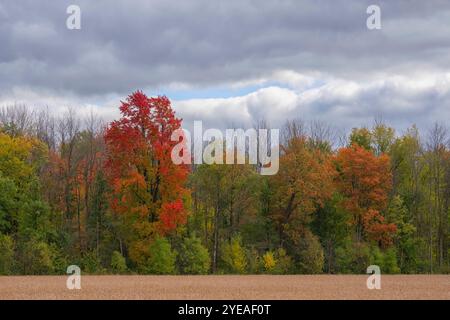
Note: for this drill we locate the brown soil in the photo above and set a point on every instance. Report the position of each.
(253, 287)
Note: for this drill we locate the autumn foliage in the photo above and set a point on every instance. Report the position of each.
(304, 182)
(108, 198)
(148, 189)
(366, 181)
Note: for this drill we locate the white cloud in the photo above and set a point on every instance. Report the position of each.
(400, 100)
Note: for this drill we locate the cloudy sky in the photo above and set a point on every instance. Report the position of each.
(231, 63)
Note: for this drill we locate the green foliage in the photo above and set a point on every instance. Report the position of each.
(387, 260)
(254, 261)
(361, 137)
(234, 256)
(284, 263)
(60, 260)
(379, 139)
(382, 138)
(352, 258)
(90, 263)
(332, 225)
(8, 204)
(162, 258)
(193, 256)
(56, 207)
(34, 220)
(390, 261)
(405, 241)
(310, 255)
(98, 218)
(118, 263)
(36, 257)
(6, 255)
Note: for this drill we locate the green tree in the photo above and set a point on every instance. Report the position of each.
(234, 256)
(361, 137)
(8, 204)
(225, 200)
(390, 261)
(36, 257)
(353, 257)
(310, 254)
(6, 255)
(118, 263)
(386, 260)
(382, 138)
(193, 256)
(90, 263)
(404, 240)
(161, 257)
(332, 225)
(284, 263)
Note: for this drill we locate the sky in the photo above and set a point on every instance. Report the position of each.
(232, 63)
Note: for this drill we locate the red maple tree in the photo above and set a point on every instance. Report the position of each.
(148, 188)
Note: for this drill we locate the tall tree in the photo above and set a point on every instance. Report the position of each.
(365, 180)
(304, 182)
(148, 188)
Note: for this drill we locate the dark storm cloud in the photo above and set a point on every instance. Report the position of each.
(124, 45)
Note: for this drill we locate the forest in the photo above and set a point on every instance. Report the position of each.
(107, 197)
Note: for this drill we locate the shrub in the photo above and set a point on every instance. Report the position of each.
(194, 257)
(269, 262)
(387, 260)
(60, 260)
(284, 263)
(90, 263)
(234, 256)
(37, 258)
(254, 261)
(162, 258)
(6, 255)
(353, 258)
(390, 261)
(377, 257)
(118, 262)
(310, 254)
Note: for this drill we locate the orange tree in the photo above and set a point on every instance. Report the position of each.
(304, 182)
(365, 180)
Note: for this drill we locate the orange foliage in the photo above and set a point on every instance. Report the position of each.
(366, 181)
(304, 182)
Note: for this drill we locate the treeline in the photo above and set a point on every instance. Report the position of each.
(109, 199)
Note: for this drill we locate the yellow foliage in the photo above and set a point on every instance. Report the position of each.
(14, 157)
(269, 261)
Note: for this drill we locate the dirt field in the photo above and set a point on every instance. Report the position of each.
(226, 287)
